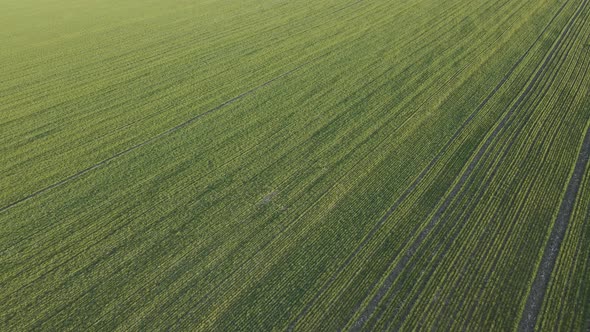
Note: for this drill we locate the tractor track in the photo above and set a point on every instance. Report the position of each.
(539, 286)
(420, 177)
(122, 226)
(517, 133)
(158, 136)
(404, 260)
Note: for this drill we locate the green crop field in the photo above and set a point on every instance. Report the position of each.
(256, 165)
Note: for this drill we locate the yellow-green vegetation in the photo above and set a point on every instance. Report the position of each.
(294, 165)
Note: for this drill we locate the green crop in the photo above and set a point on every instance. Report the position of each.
(294, 165)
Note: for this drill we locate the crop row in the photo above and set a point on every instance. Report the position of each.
(295, 165)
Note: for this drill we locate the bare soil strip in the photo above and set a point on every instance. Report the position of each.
(401, 264)
(539, 287)
(278, 235)
(421, 176)
(483, 188)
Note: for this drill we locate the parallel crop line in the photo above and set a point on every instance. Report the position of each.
(273, 239)
(372, 306)
(541, 281)
(157, 137)
(506, 149)
(481, 191)
(458, 280)
(416, 182)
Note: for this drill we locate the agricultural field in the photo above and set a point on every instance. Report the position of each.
(256, 165)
